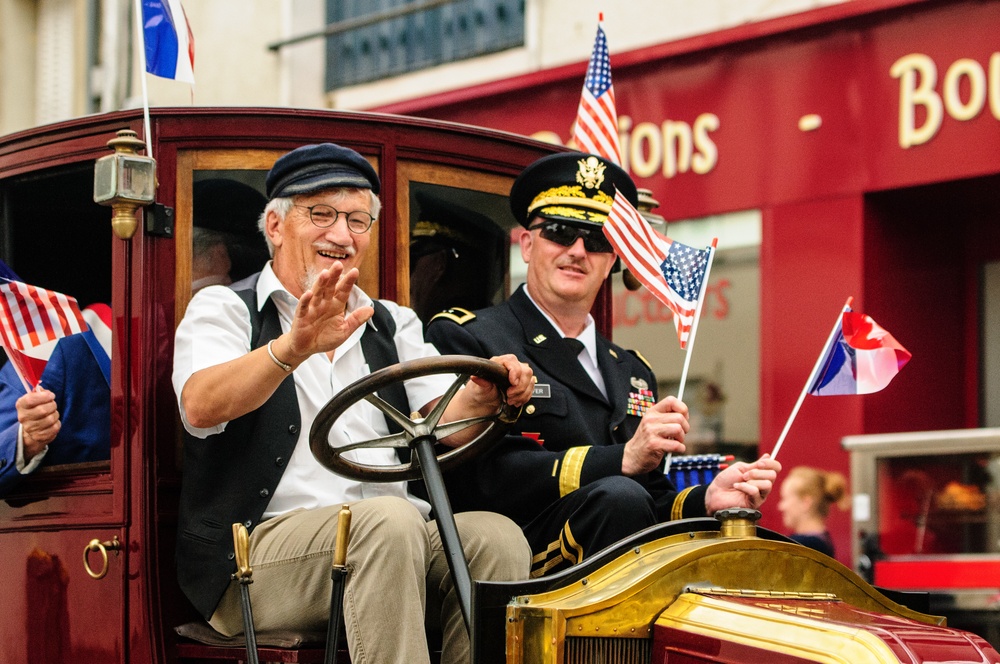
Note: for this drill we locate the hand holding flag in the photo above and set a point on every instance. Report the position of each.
(673, 272)
(596, 126)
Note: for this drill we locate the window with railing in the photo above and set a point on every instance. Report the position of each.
(382, 38)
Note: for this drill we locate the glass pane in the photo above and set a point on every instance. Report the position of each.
(939, 504)
(459, 242)
(395, 37)
(226, 244)
(54, 237)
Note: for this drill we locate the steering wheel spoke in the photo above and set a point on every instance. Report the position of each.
(408, 425)
(442, 431)
(395, 441)
(434, 416)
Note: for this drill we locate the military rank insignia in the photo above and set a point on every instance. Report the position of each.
(639, 402)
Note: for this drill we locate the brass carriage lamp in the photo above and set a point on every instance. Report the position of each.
(125, 181)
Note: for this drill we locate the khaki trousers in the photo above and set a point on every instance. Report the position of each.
(397, 577)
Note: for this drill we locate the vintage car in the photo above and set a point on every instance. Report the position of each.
(89, 547)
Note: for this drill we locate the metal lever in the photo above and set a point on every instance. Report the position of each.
(244, 574)
(339, 576)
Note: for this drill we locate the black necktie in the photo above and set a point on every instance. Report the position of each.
(574, 344)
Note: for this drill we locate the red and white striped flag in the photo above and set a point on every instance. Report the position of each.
(672, 271)
(596, 127)
(32, 320)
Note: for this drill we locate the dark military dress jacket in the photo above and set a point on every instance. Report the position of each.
(569, 434)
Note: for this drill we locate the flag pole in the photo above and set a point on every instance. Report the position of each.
(812, 377)
(140, 36)
(694, 331)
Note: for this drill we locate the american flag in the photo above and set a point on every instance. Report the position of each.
(32, 320)
(596, 127)
(672, 271)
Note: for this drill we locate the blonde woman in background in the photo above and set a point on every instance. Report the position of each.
(806, 496)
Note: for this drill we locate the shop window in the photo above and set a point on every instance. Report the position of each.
(420, 39)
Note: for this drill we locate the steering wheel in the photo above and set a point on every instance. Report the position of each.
(414, 427)
(420, 434)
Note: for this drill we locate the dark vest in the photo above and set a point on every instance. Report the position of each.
(229, 477)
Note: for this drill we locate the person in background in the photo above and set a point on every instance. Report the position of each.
(806, 496)
(210, 263)
(587, 470)
(67, 417)
(254, 364)
(456, 258)
(226, 245)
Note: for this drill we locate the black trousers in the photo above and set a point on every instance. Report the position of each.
(587, 520)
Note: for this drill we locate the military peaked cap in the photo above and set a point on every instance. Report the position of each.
(572, 187)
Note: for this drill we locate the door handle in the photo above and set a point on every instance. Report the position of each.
(97, 546)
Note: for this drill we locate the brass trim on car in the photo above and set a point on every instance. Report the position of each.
(625, 598)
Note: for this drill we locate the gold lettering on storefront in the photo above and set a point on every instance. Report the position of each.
(668, 148)
(672, 147)
(966, 89)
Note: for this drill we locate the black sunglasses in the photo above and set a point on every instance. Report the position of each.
(564, 235)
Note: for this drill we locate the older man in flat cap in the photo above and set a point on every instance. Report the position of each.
(253, 365)
(588, 470)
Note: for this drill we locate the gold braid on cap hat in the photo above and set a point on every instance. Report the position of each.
(573, 196)
(589, 175)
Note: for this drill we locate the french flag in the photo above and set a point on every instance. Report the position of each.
(861, 358)
(169, 41)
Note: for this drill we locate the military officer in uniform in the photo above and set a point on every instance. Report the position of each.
(587, 469)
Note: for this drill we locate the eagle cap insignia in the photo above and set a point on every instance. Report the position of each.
(591, 172)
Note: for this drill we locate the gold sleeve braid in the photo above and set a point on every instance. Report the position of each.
(572, 468)
(677, 511)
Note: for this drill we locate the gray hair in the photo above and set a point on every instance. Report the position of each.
(282, 206)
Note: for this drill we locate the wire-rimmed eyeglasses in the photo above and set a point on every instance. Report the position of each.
(324, 216)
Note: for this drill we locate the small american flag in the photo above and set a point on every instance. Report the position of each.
(32, 320)
(596, 127)
(672, 271)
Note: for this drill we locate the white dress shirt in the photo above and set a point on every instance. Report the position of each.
(587, 356)
(216, 329)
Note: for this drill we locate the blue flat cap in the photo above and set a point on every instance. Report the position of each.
(572, 187)
(312, 168)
